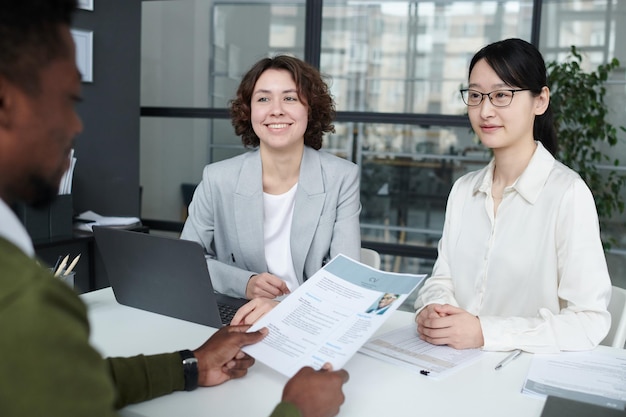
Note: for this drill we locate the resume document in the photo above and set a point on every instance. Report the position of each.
(330, 316)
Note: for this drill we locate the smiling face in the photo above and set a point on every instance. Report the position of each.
(279, 117)
(37, 130)
(503, 127)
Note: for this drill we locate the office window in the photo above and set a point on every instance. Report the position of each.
(395, 68)
(173, 152)
(596, 28)
(591, 25)
(174, 53)
(194, 52)
(414, 31)
(406, 174)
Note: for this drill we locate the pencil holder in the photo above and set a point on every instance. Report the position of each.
(68, 279)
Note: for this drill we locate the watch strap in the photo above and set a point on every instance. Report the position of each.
(190, 369)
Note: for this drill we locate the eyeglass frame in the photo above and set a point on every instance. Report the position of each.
(482, 98)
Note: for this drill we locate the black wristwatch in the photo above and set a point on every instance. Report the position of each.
(190, 369)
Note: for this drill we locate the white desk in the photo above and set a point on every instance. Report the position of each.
(375, 387)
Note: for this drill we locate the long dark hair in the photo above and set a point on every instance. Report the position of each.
(519, 64)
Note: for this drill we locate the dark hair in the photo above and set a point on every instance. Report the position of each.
(519, 64)
(312, 90)
(30, 38)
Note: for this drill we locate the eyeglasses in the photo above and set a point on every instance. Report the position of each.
(499, 98)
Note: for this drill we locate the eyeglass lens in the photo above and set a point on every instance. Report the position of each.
(499, 98)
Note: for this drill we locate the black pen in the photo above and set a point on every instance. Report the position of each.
(60, 268)
(513, 355)
(56, 265)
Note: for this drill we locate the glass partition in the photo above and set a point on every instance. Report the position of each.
(406, 174)
(596, 28)
(194, 52)
(411, 57)
(173, 152)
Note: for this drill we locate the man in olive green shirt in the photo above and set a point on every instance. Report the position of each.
(47, 367)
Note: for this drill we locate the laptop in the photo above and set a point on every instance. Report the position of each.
(163, 275)
(560, 407)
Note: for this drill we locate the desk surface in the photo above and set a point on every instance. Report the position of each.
(375, 388)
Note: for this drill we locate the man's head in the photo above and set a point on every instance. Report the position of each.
(39, 86)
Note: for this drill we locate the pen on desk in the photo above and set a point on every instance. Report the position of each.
(72, 265)
(61, 266)
(509, 358)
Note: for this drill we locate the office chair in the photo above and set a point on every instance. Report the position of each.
(370, 257)
(187, 190)
(617, 308)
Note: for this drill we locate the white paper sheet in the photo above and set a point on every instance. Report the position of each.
(330, 316)
(65, 186)
(88, 219)
(404, 348)
(592, 377)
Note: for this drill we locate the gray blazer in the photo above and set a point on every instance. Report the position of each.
(226, 217)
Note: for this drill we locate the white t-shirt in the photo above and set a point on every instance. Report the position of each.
(277, 218)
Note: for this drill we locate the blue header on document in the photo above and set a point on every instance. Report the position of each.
(366, 277)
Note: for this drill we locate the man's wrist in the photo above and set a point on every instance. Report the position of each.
(190, 369)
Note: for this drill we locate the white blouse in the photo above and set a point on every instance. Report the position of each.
(535, 274)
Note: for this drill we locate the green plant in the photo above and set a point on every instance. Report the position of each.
(580, 115)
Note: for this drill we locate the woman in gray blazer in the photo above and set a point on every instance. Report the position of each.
(270, 218)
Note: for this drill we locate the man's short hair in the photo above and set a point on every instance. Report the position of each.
(30, 38)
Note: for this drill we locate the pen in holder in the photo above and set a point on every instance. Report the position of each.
(65, 272)
(68, 277)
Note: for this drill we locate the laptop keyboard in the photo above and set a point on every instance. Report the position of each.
(227, 312)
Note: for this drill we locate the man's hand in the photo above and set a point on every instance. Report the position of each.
(220, 358)
(316, 393)
(265, 285)
(253, 310)
(448, 325)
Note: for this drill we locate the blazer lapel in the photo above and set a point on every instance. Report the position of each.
(248, 206)
(310, 198)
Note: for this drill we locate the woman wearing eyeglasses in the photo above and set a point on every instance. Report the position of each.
(521, 263)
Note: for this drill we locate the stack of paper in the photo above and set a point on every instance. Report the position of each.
(403, 347)
(87, 220)
(65, 187)
(592, 377)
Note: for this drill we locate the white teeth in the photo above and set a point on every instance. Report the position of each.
(277, 126)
